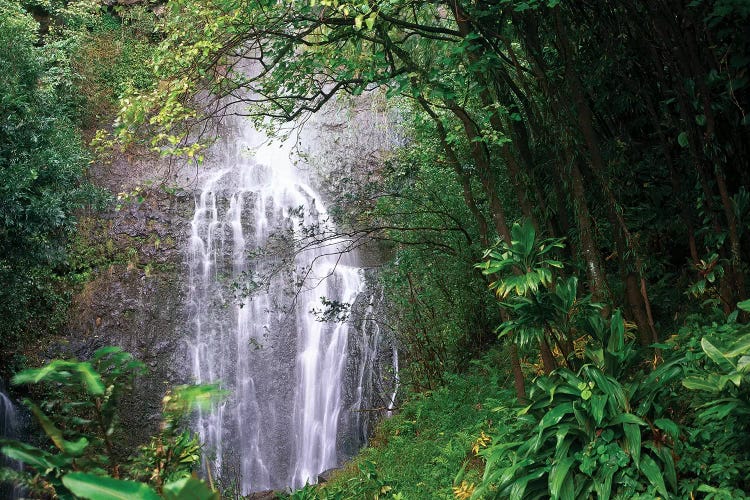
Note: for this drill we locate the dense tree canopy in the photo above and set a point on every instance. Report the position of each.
(619, 126)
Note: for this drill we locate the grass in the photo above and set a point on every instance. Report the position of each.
(419, 452)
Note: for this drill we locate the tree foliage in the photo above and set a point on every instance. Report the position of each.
(80, 417)
(42, 163)
(619, 128)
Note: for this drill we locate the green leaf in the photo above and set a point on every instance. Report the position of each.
(73, 448)
(598, 401)
(717, 356)
(370, 21)
(626, 418)
(699, 384)
(56, 370)
(616, 342)
(91, 378)
(106, 351)
(743, 365)
(682, 139)
(106, 488)
(653, 474)
(556, 414)
(558, 476)
(520, 484)
(668, 426)
(717, 411)
(30, 455)
(189, 488)
(744, 305)
(740, 347)
(664, 453)
(633, 441)
(603, 481)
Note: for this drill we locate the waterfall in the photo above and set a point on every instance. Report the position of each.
(252, 287)
(9, 424)
(8, 419)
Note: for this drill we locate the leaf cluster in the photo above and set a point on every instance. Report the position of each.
(80, 419)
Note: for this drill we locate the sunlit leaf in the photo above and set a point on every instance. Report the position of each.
(94, 487)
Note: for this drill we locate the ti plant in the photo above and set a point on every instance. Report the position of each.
(558, 316)
(525, 286)
(80, 419)
(725, 375)
(523, 264)
(592, 432)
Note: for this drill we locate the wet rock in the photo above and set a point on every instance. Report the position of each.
(326, 475)
(135, 300)
(262, 495)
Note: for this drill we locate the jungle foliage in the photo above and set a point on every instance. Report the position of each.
(615, 132)
(63, 67)
(79, 417)
(571, 188)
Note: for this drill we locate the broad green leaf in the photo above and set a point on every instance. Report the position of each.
(682, 139)
(603, 481)
(664, 453)
(558, 475)
(743, 365)
(632, 441)
(56, 370)
(30, 455)
(616, 341)
(654, 474)
(626, 418)
(563, 445)
(106, 488)
(105, 351)
(700, 384)
(717, 356)
(91, 378)
(668, 426)
(740, 347)
(73, 448)
(718, 410)
(744, 305)
(554, 416)
(612, 388)
(189, 488)
(598, 402)
(519, 485)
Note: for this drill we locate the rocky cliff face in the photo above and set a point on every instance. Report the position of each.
(135, 301)
(134, 293)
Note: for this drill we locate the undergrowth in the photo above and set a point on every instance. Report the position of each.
(417, 452)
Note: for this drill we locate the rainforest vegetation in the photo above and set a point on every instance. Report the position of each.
(566, 217)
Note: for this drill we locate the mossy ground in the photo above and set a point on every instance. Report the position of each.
(419, 452)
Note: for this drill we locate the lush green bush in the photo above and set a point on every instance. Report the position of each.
(715, 454)
(601, 431)
(49, 88)
(42, 162)
(79, 416)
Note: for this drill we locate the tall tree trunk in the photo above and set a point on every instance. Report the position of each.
(463, 178)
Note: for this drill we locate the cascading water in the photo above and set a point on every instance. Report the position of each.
(8, 430)
(285, 370)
